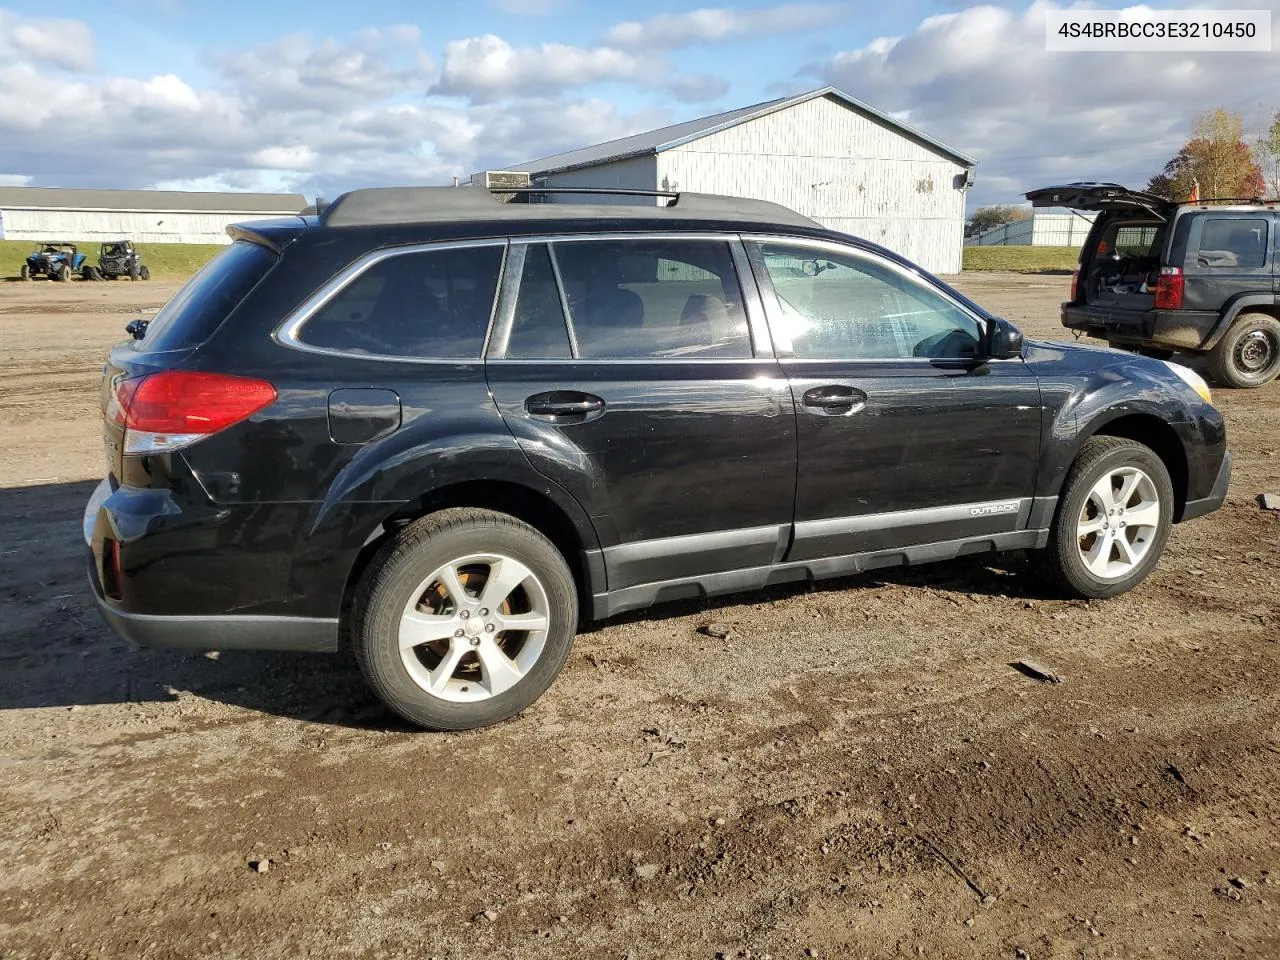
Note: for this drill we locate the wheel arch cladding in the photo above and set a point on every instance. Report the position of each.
(538, 508)
(1162, 439)
(1236, 308)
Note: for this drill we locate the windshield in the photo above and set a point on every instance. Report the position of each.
(195, 311)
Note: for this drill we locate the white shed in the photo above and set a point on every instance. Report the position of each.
(147, 216)
(823, 153)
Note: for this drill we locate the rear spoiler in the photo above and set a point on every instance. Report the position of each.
(275, 235)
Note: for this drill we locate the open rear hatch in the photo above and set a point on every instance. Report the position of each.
(1098, 197)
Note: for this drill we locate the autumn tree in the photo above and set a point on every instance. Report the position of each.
(984, 218)
(1267, 153)
(1216, 157)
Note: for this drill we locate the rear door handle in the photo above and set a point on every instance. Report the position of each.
(562, 406)
(834, 398)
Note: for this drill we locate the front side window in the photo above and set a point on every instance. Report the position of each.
(846, 306)
(1233, 242)
(653, 299)
(431, 304)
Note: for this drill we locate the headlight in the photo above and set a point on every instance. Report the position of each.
(1192, 380)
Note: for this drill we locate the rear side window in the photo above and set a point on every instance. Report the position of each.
(430, 304)
(1233, 242)
(653, 299)
(195, 311)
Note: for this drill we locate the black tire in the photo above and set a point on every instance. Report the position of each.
(1061, 563)
(1248, 355)
(64, 273)
(90, 273)
(25, 272)
(406, 562)
(133, 273)
(144, 272)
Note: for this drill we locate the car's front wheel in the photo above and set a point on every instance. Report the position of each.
(1248, 355)
(25, 272)
(464, 619)
(1112, 521)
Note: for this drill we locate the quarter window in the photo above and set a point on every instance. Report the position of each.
(653, 298)
(1236, 242)
(844, 306)
(432, 304)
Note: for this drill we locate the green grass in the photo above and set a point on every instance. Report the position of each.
(166, 261)
(1022, 259)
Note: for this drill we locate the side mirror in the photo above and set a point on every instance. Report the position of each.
(136, 328)
(1004, 340)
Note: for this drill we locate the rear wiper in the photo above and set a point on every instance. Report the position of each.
(137, 328)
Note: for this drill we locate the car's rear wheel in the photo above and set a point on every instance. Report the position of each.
(464, 619)
(1248, 355)
(1112, 521)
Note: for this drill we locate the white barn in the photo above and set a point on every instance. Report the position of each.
(823, 153)
(145, 216)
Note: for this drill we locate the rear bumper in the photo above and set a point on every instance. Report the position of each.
(1217, 495)
(174, 599)
(298, 634)
(1167, 329)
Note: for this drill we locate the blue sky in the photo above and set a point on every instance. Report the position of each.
(323, 97)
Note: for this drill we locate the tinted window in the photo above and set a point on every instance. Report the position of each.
(653, 298)
(1234, 242)
(195, 311)
(849, 307)
(433, 304)
(538, 330)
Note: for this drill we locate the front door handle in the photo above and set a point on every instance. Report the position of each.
(563, 406)
(834, 399)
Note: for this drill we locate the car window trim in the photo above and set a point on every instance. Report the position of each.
(286, 333)
(752, 305)
(783, 348)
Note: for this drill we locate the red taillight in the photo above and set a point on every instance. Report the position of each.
(1169, 289)
(1075, 285)
(166, 410)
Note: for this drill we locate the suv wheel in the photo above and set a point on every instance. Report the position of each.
(1112, 521)
(464, 619)
(1248, 355)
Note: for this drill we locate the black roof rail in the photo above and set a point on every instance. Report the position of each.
(400, 205)
(1209, 201)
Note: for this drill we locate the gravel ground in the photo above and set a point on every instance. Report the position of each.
(855, 771)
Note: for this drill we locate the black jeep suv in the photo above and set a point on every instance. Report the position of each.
(1164, 278)
(443, 429)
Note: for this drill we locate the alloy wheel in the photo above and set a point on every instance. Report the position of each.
(1118, 523)
(474, 628)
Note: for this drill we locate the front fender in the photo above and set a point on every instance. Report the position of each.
(1085, 388)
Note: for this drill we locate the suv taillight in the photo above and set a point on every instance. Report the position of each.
(1169, 289)
(1075, 285)
(165, 411)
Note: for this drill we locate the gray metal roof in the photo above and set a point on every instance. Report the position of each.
(75, 198)
(665, 138)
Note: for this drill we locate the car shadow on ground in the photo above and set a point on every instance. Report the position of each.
(56, 652)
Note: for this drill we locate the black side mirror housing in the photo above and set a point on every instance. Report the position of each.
(1004, 340)
(136, 328)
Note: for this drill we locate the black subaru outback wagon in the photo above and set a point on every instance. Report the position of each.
(443, 430)
(1164, 278)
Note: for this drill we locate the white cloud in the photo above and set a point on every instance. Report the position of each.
(488, 68)
(14, 180)
(66, 44)
(981, 80)
(316, 116)
(669, 31)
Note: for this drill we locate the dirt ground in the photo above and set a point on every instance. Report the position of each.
(855, 772)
